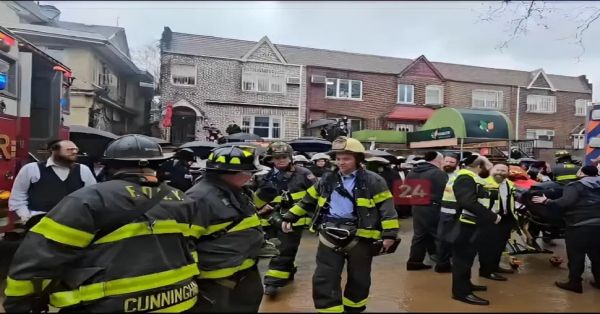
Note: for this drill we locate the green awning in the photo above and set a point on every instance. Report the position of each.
(468, 124)
(380, 136)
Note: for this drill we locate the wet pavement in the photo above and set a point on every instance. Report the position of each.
(394, 289)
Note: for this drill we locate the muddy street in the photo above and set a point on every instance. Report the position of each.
(394, 289)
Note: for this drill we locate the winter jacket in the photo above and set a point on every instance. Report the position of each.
(580, 202)
(90, 265)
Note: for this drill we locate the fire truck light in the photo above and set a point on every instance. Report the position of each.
(7, 39)
(3, 81)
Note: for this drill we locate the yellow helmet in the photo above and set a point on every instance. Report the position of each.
(348, 145)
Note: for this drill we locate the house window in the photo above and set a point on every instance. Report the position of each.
(262, 82)
(406, 94)
(263, 126)
(183, 74)
(541, 104)
(487, 99)
(342, 88)
(581, 107)
(434, 95)
(542, 138)
(405, 127)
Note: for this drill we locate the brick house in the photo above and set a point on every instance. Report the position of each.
(378, 92)
(211, 80)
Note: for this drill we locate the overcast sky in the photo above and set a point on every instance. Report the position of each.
(442, 31)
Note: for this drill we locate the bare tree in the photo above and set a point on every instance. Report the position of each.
(147, 57)
(525, 14)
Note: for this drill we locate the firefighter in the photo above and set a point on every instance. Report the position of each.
(494, 238)
(116, 246)
(229, 280)
(301, 161)
(353, 210)
(472, 211)
(291, 183)
(565, 170)
(321, 164)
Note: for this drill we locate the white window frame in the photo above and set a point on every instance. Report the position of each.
(581, 107)
(250, 128)
(439, 89)
(184, 85)
(406, 101)
(536, 104)
(337, 89)
(271, 79)
(488, 102)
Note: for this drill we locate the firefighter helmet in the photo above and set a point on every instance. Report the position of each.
(280, 149)
(319, 156)
(344, 144)
(300, 158)
(134, 148)
(185, 154)
(562, 154)
(233, 159)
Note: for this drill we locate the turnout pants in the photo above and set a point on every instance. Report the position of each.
(582, 241)
(463, 255)
(492, 242)
(327, 291)
(443, 247)
(240, 293)
(425, 225)
(281, 268)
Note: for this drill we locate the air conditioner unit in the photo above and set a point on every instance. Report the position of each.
(318, 79)
(293, 81)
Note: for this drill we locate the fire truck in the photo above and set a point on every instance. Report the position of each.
(34, 95)
(592, 135)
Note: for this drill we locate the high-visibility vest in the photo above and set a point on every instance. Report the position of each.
(485, 201)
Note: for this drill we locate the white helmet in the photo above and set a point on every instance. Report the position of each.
(318, 156)
(300, 158)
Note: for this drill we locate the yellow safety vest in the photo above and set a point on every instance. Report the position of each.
(485, 201)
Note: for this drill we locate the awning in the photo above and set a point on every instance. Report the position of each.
(447, 126)
(410, 113)
(380, 136)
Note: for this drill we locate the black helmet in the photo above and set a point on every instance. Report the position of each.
(233, 158)
(134, 148)
(185, 154)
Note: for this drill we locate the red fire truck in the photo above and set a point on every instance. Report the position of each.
(34, 94)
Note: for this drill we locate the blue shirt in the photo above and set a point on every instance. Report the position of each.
(340, 206)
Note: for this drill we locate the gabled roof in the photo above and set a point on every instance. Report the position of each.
(201, 45)
(263, 41)
(423, 59)
(536, 74)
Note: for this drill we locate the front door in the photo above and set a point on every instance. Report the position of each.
(183, 127)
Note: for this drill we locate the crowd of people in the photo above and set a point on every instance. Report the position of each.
(195, 240)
